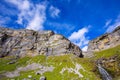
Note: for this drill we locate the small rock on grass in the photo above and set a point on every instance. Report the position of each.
(42, 78)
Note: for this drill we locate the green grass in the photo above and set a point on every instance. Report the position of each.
(4, 66)
(114, 70)
(59, 62)
(108, 52)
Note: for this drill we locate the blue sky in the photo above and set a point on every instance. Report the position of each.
(78, 20)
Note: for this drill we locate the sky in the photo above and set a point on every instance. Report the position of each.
(78, 20)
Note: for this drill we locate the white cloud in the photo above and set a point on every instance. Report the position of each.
(85, 48)
(24, 8)
(32, 14)
(38, 19)
(79, 37)
(108, 22)
(114, 25)
(21, 4)
(79, 34)
(54, 12)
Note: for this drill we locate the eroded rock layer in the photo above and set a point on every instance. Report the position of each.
(28, 42)
(105, 41)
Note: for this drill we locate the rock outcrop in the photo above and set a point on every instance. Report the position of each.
(105, 41)
(111, 64)
(28, 42)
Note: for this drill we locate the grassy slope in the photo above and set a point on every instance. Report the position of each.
(108, 52)
(59, 62)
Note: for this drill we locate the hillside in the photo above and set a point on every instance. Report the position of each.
(64, 62)
(105, 41)
(64, 67)
(110, 60)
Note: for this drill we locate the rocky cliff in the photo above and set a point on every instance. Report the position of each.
(105, 41)
(28, 42)
(44, 67)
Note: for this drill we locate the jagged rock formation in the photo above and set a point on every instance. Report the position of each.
(105, 41)
(28, 42)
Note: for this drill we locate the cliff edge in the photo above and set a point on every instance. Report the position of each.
(28, 42)
(106, 41)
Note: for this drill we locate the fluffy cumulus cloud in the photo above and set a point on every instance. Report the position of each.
(33, 14)
(115, 24)
(38, 19)
(85, 48)
(79, 38)
(54, 12)
(23, 7)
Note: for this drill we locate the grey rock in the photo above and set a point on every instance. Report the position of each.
(43, 78)
(12, 62)
(29, 76)
(34, 66)
(105, 41)
(28, 42)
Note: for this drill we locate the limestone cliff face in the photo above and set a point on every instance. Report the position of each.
(105, 41)
(28, 42)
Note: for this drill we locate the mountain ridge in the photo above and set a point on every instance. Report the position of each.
(29, 42)
(105, 41)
